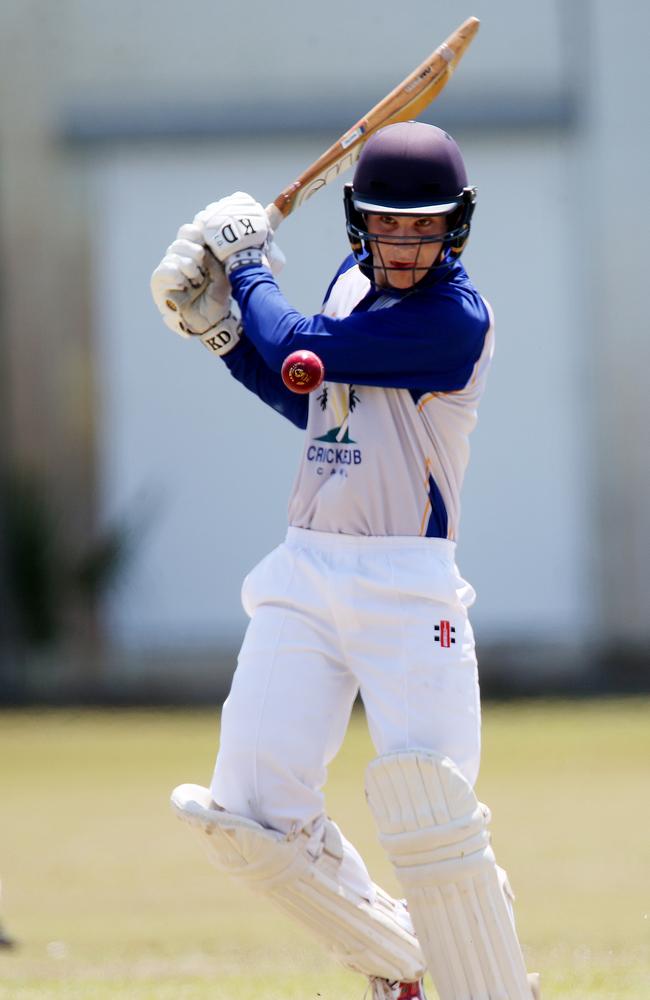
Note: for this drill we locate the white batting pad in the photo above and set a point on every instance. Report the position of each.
(435, 832)
(314, 877)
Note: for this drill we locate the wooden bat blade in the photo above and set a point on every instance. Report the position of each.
(406, 101)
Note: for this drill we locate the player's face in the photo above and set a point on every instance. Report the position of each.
(399, 254)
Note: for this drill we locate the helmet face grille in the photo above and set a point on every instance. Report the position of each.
(367, 252)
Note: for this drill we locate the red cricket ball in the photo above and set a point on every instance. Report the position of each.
(302, 371)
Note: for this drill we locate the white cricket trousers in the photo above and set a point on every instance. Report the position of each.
(333, 615)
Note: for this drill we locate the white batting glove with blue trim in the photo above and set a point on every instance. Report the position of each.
(237, 231)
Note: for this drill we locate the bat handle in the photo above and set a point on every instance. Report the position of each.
(274, 215)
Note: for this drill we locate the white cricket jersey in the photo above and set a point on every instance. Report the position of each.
(385, 461)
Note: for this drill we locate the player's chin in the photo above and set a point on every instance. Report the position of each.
(403, 279)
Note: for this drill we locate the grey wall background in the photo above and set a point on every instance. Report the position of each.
(117, 124)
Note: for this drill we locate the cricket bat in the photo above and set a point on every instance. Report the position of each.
(405, 102)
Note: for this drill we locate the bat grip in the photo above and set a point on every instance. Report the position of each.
(274, 215)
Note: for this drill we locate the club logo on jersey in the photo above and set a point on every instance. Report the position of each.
(340, 433)
(334, 451)
(445, 634)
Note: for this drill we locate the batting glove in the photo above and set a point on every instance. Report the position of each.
(236, 230)
(192, 293)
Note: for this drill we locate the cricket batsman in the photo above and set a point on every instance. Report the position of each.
(364, 595)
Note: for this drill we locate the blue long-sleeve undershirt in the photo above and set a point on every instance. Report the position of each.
(427, 341)
(430, 339)
(246, 365)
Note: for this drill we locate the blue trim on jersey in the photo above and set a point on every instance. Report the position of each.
(428, 340)
(438, 523)
(246, 365)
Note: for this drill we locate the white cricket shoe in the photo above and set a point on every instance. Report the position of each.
(386, 989)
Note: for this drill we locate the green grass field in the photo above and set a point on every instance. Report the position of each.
(109, 896)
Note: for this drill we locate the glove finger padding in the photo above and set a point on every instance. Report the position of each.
(169, 288)
(191, 232)
(190, 288)
(190, 258)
